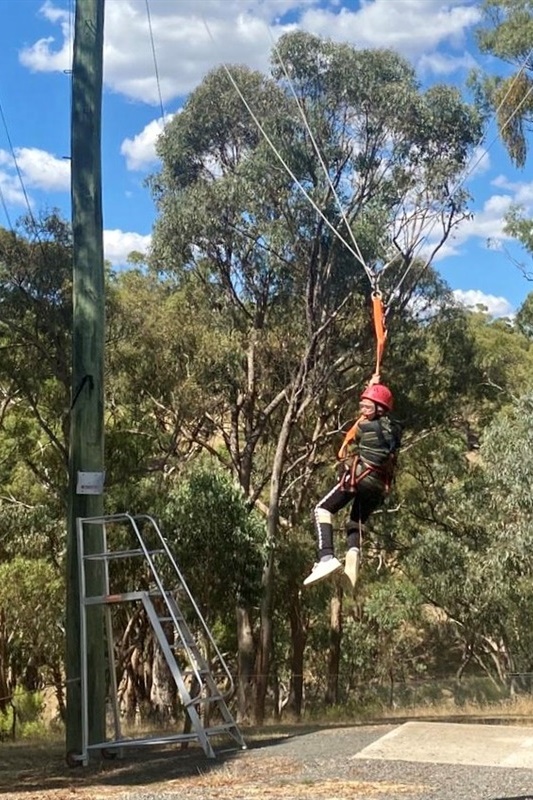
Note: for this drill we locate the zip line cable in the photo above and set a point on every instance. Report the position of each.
(373, 275)
(299, 105)
(280, 157)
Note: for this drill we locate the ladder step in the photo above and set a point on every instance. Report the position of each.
(200, 671)
(210, 698)
(190, 643)
(109, 556)
(162, 604)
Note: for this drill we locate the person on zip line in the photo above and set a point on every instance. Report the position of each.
(367, 458)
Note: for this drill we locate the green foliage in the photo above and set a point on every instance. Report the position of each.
(218, 540)
(32, 608)
(22, 718)
(506, 32)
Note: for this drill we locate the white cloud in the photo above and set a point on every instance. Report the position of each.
(140, 151)
(38, 170)
(42, 170)
(487, 223)
(193, 36)
(119, 244)
(410, 26)
(11, 190)
(445, 64)
(43, 55)
(522, 192)
(496, 306)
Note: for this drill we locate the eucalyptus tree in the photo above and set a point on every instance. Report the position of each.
(469, 548)
(506, 32)
(278, 199)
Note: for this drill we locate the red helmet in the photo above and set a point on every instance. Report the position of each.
(379, 393)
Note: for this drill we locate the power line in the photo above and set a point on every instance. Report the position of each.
(17, 167)
(154, 56)
(6, 212)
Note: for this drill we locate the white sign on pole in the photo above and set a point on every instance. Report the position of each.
(90, 483)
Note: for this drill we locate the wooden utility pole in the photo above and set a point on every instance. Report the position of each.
(87, 405)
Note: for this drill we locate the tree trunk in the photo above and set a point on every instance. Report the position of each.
(4, 666)
(264, 651)
(163, 689)
(265, 633)
(298, 641)
(335, 638)
(245, 660)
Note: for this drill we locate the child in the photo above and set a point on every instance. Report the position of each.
(364, 482)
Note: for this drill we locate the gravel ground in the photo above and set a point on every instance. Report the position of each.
(320, 764)
(304, 764)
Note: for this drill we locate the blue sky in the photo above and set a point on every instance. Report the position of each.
(35, 43)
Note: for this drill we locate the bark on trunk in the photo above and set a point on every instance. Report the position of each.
(265, 641)
(335, 638)
(298, 641)
(245, 660)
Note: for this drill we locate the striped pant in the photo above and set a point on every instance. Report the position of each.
(365, 500)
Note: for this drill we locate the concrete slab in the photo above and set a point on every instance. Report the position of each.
(455, 743)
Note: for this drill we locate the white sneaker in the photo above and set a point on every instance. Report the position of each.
(351, 567)
(322, 569)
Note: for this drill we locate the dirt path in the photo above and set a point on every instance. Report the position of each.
(304, 763)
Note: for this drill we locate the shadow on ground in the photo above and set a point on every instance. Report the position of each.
(28, 767)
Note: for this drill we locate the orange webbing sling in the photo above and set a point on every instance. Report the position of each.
(378, 314)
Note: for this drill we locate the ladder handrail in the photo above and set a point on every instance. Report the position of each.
(132, 519)
(193, 602)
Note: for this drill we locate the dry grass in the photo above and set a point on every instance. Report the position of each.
(37, 770)
(516, 711)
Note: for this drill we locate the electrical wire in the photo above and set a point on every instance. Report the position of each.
(154, 56)
(5, 208)
(17, 167)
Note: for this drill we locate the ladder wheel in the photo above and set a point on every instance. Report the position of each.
(73, 759)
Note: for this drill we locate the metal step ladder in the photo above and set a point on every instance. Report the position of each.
(172, 613)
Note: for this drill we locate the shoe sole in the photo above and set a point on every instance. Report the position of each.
(335, 571)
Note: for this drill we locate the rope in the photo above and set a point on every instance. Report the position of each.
(369, 272)
(280, 157)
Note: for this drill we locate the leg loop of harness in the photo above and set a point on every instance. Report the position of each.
(354, 475)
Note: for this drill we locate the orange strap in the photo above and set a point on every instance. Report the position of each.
(349, 437)
(378, 313)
